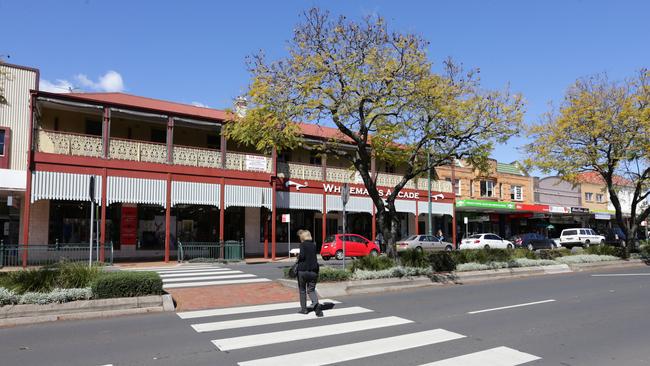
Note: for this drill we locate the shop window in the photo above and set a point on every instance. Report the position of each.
(589, 196)
(456, 185)
(487, 188)
(516, 193)
(599, 197)
(93, 127)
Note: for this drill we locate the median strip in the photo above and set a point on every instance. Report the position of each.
(511, 306)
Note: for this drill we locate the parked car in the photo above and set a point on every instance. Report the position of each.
(615, 236)
(479, 241)
(532, 241)
(423, 242)
(355, 246)
(583, 237)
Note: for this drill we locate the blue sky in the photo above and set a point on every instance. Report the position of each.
(193, 51)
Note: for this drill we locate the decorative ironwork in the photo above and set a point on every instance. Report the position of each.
(301, 171)
(138, 151)
(436, 185)
(197, 157)
(69, 143)
(340, 175)
(237, 161)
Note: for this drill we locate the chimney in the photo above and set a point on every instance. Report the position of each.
(240, 106)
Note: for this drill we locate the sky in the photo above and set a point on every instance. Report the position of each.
(194, 51)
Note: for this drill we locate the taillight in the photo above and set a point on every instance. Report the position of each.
(477, 241)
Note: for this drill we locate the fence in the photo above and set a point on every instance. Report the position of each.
(44, 254)
(229, 250)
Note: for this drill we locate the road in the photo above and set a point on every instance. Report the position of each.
(572, 319)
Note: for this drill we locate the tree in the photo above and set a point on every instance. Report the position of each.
(602, 126)
(378, 89)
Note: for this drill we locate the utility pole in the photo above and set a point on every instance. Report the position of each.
(345, 196)
(430, 219)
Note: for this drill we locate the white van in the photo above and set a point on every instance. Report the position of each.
(583, 237)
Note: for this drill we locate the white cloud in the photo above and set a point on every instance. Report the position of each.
(199, 104)
(60, 86)
(109, 82)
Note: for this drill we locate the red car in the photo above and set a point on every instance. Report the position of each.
(355, 246)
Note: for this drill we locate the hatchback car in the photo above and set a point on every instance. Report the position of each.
(355, 246)
(423, 242)
(583, 237)
(485, 241)
(533, 241)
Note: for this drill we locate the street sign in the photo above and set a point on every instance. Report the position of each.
(286, 218)
(345, 193)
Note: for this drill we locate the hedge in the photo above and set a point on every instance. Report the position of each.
(126, 284)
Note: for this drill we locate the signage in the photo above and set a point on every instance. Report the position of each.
(286, 218)
(486, 204)
(465, 220)
(534, 208)
(579, 210)
(256, 163)
(295, 184)
(129, 226)
(483, 218)
(559, 209)
(363, 191)
(602, 216)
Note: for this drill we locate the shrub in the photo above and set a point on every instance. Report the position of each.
(126, 284)
(482, 255)
(329, 274)
(8, 297)
(56, 296)
(605, 250)
(395, 272)
(414, 258)
(586, 258)
(33, 280)
(442, 261)
(515, 263)
(522, 253)
(370, 263)
(75, 275)
(645, 250)
(552, 254)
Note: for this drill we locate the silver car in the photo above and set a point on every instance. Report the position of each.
(423, 242)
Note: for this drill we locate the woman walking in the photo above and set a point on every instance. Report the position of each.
(307, 271)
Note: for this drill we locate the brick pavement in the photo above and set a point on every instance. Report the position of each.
(231, 295)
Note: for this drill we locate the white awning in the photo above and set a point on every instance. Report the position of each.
(405, 206)
(248, 196)
(195, 193)
(64, 186)
(437, 208)
(355, 204)
(136, 190)
(300, 201)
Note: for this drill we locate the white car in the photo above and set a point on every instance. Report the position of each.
(480, 241)
(423, 242)
(583, 237)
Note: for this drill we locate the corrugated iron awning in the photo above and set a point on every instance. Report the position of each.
(405, 206)
(136, 190)
(300, 201)
(355, 204)
(195, 193)
(437, 208)
(248, 196)
(64, 186)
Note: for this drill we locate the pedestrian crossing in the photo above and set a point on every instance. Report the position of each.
(198, 275)
(347, 333)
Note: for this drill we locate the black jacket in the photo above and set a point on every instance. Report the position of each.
(307, 258)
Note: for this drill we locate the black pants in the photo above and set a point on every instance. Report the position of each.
(307, 285)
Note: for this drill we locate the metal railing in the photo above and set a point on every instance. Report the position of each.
(229, 250)
(44, 254)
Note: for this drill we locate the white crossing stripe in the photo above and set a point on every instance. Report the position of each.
(205, 278)
(275, 319)
(245, 309)
(215, 283)
(195, 270)
(500, 356)
(170, 268)
(189, 274)
(511, 306)
(353, 351)
(255, 340)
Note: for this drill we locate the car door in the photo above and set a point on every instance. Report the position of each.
(426, 242)
(357, 246)
(497, 242)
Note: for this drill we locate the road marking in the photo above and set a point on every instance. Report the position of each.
(511, 306)
(189, 274)
(195, 270)
(255, 340)
(205, 278)
(620, 274)
(245, 309)
(275, 319)
(174, 268)
(499, 356)
(353, 351)
(215, 283)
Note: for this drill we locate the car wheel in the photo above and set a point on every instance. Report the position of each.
(586, 244)
(374, 253)
(486, 246)
(338, 255)
(419, 249)
(449, 248)
(326, 258)
(530, 247)
(509, 246)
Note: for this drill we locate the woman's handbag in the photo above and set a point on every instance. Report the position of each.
(293, 271)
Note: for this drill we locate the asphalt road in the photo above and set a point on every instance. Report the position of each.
(574, 319)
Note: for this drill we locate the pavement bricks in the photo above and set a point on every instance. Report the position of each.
(208, 297)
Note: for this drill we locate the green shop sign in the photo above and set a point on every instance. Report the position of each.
(485, 204)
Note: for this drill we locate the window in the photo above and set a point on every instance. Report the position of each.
(589, 196)
(492, 237)
(516, 193)
(314, 158)
(570, 232)
(584, 232)
(457, 185)
(487, 188)
(599, 197)
(2, 142)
